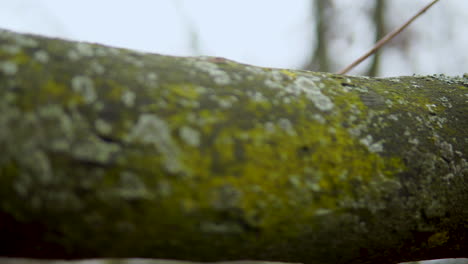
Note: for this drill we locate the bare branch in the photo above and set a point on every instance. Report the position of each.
(386, 39)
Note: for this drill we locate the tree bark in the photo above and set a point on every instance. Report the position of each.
(109, 152)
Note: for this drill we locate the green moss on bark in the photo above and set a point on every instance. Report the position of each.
(208, 159)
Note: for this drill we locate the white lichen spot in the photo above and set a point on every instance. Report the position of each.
(413, 141)
(372, 146)
(273, 84)
(394, 79)
(307, 86)
(164, 188)
(446, 150)
(103, 127)
(323, 211)
(255, 70)
(95, 149)
(131, 187)
(73, 55)
(224, 101)
(84, 86)
(439, 121)
(152, 130)
(402, 101)
(286, 125)
(11, 49)
(190, 136)
(445, 102)
(25, 41)
(152, 77)
(269, 127)
(128, 98)
(393, 117)
(389, 103)
(360, 89)
(219, 76)
(256, 96)
(319, 118)
(278, 76)
(8, 67)
(286, 100)
(431, 107)
(41, 56)
(97, 68)
(85, 49)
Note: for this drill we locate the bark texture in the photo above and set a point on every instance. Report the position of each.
(109, 152)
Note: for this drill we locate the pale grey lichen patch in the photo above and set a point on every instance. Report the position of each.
(219, 76)
(84, 86)
(94, 149)
(323, 211)
(319, 118)
(278, 76)
(131, 187)
(257, 71)
(73, 55)
(439, 121)
(41, 56)
(135, 61)
(150, 129)
(102, 127)
(394, 79)
(445, 102)
(97, 67)
(307, 86)
(11, 49)
(226, 197)
(269, 127)
(190, 136)
(148, 78)
(256, 96)
(64, 127)
(105, 51)
(431, 107)
(393, 117)
(25, 41)
(8, 67)
(273, 84)
(151, 76)
(446, 150)
(413, 141)
(389, 103)
(286, 126)
(39, 165)
(128, 98)
(371, 145)
(359, 89)
(224, 101)
(85, 49)
(221, 227)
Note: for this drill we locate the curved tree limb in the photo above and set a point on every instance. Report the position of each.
(113, 153)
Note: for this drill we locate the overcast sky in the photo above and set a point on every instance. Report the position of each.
(272, 33)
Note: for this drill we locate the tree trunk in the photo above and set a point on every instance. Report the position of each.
(113, 153)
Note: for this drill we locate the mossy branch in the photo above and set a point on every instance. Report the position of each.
(113, 153)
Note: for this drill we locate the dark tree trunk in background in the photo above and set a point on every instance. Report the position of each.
(319, 60)
(379, 21)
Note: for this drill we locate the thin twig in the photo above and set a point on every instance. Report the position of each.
(386, 39)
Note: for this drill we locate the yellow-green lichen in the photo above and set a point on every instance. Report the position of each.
(438, 239)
